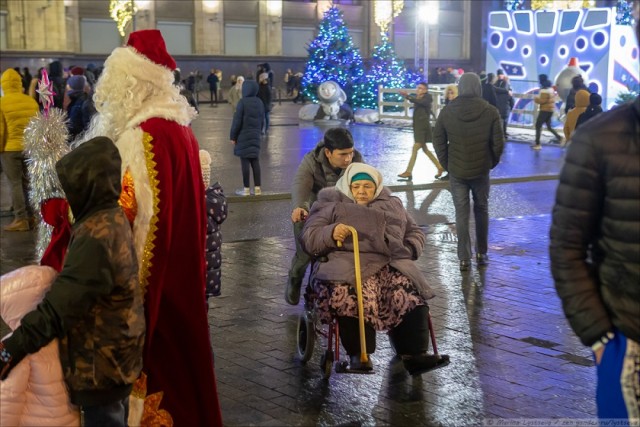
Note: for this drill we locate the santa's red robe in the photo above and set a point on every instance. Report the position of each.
(161, 163)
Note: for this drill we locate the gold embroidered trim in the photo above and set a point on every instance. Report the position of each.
(147, 256)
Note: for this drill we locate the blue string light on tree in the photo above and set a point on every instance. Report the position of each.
(514, 4)
(624, 13)
(332, 56)
(385, 70)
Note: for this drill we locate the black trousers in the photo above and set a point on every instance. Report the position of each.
(249, 165)
(411, 336)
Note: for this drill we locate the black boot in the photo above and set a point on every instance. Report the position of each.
(418, 364)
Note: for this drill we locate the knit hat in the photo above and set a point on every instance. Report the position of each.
(77, 71)
(354, 169)
(542, 78)
(483, 77)
(362, 176)
(595, 99)
(76, 83)
(545, 83)
(500, 72)
(151, 44)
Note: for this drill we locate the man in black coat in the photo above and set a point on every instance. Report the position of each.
(468, 140)
(595, 252)
(503, 98)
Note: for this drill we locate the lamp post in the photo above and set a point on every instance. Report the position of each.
(428, 14)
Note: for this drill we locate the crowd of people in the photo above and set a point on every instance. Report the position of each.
(141, 216)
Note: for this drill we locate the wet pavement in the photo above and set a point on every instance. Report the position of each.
(514, 359)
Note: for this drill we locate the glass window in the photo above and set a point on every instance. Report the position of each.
(98, 35)
(240, 39)
(450, 46)
(177, 36)
(295, 40)
(3, 29)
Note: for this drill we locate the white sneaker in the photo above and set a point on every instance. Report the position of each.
(537, 147)
(245, 192)
(257, 191)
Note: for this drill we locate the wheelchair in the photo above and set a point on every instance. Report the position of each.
(309, 327)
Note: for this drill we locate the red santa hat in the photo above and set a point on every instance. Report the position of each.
(151, 44)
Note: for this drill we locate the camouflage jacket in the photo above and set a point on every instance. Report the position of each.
(95, 305)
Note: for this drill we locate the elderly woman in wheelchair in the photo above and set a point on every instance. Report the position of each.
(394, 291)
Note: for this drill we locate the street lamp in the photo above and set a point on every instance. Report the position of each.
(428, 14)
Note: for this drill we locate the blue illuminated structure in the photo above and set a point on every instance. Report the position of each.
(525, 43)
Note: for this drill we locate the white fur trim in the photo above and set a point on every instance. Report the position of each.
(134, 160)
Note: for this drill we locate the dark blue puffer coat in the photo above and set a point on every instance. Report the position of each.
(246, 128)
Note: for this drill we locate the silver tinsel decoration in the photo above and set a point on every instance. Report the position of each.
(45, 142)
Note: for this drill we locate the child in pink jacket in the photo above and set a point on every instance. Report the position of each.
(35, 393)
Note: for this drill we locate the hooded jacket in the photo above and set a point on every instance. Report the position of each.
(34, 394)
(595, 232)
(582, 102)
(468, 136)
(246, 128)
(315, 173)
(16, 109)
(387, 234)
(95, 304)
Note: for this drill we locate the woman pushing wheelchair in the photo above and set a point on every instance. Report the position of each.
(395, 292)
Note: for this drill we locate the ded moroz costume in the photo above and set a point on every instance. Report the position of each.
(163, 195)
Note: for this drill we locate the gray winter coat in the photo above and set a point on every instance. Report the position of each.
(595, 234)
(315, 173)
(387, 235)
(468, 136)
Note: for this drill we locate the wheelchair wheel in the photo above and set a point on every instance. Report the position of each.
(306, 336)
(326, 364)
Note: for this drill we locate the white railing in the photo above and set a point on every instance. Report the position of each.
(526, 117)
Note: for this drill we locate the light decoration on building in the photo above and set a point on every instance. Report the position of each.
(122, 11)
(384, 11)
(561, 4)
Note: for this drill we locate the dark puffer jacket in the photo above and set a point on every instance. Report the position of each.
(468, 136)
(597, 216)
(246, 128)
(217, 209)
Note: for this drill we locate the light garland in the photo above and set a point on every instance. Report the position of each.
(122, 12)
(561, 4)
(385, 10)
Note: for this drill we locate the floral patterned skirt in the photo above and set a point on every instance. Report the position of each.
(387, 296)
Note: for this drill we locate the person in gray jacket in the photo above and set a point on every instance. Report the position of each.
(468, 139)
(395, 293)
(319, 168)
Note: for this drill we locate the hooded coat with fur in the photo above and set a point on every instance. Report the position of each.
(468, 136)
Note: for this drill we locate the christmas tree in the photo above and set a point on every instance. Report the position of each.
(332, 56)
(385, 70)
(624, 15)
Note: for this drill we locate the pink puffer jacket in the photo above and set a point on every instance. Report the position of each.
(34, 393)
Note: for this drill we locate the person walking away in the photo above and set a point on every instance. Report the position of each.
(546, 99)
(289, 81)
(141, 109)
(582, 102)
(16, 110)
(213, 81)
(245, 135)
(488, 90)
(595, 252)
(235, 93)
(319, 168)
(594, 108)
(422, 113)
(264, 93)
(95, 305)
(503, 99)
(468, 139)
(77, 96)
(58, 80)
(26, 80)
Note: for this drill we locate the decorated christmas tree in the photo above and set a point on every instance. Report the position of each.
(332, 56)
(385, 70)
(624, 13)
